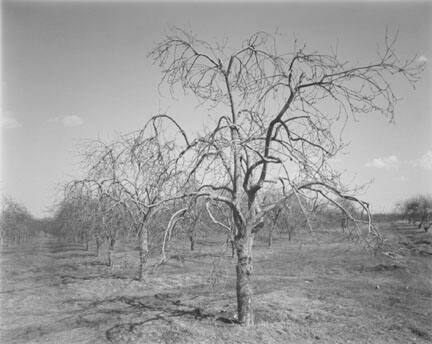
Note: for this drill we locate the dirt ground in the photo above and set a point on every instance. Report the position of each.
(312, 289)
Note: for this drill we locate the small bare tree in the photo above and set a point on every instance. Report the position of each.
(278, 120)
(191, 221)
(134, 172)
(112, 220)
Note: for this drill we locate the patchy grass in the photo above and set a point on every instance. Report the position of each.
(313, 289)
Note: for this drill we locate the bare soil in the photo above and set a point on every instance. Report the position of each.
(317, 288)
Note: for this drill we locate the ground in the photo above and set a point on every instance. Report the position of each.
(319, 288)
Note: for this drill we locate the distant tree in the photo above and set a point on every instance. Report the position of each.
(418, 209)
(111, 222)
(292, 217)
(277, 122)
(191, 218)
(273, 217)
(71, 219)
(191, 221)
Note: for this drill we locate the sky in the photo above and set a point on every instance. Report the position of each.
(73, 71)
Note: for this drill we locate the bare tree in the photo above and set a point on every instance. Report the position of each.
(274, 217)
(112, 220)
(191, 220)
(278, 119)
(134, 172)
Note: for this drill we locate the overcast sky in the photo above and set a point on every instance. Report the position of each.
(73, 71)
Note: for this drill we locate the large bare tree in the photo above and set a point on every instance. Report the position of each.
(278, 118)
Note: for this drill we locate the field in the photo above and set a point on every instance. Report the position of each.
(319, 288)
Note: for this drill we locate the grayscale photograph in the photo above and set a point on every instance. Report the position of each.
(210, 172)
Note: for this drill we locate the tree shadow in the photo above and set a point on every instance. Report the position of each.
(94, 263)
(66, 279)
(164, 306)
(67, 266)
(75, 255)
(56, 248)
(209, 255)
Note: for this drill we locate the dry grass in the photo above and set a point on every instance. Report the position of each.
(319, 289)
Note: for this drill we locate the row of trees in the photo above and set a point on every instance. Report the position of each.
(17, 225)
(276, 124)
(89, 217)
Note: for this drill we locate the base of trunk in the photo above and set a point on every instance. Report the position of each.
(97, 248)
(244, 295)
(244, 289)
(109, 262)
(143, 261)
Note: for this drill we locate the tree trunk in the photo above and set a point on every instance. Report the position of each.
(81, 239)
(98, 243)
(143, 251)
(232, 249)
(272, 226)
(192, 242)
(192, 232)
(110, 250)
(344, 224)
(270, 237)
(230, 241)
(244, 270)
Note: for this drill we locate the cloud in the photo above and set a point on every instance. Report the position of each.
(425, 160)
(72, 121)
(387, 163)
(68, 121)
(422, 59)
(8, 120)
(392, 162)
